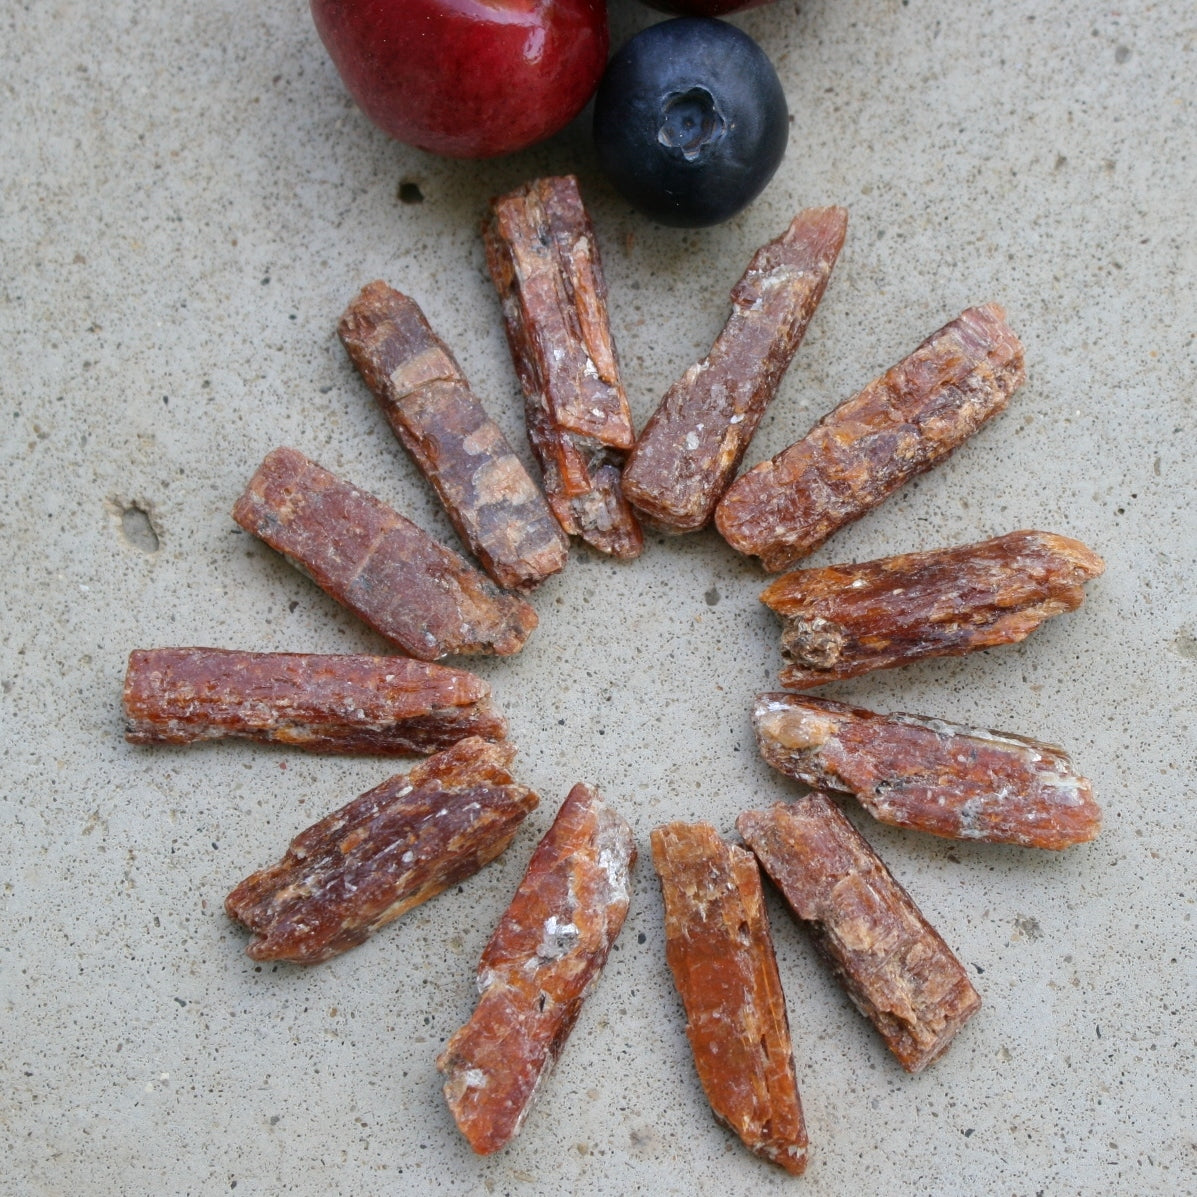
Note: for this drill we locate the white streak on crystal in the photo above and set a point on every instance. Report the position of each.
(559, 938)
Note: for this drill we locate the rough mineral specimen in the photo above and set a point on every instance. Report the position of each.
(720, 951)
(693, 444)
(899, 426)
(544, 957)
(843, 620)
(961, 782)
(390, 706)
(391, 574)
(543, 257)
(495, 506)
(896, 969)
(389, 850)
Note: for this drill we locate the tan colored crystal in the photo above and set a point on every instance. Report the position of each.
(543, 257)
(720, 951)
(388, 706)
(844, 620)
(694, 442)
(392, 575)
(899, 426)
(498, 511)
(543, 959)
(895, 967)
(394, 847)
(926, 774)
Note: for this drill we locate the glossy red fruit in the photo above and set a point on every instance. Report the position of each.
(704, 8)
(467, 78)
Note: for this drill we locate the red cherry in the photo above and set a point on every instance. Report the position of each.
(467, 78)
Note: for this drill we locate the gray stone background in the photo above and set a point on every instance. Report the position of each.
(187, 202)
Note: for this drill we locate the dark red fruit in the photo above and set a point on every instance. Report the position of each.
(467, 78)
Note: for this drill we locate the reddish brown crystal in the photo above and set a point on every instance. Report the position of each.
(720, 951)
(543, 959)
(899, 426)
(961, 782)
(843, 620)
(895, 967)
(543, 257)
(389, 706)
(389, 850)
(391, 574)
(495, 506)
(694, 443)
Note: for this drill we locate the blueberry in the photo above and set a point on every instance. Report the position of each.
(690, 121)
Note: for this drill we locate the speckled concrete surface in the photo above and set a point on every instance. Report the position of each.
(187, 202)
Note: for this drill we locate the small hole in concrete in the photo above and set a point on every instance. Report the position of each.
(410, 193)
(138, 529)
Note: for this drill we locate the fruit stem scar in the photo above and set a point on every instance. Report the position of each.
(692, 120)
